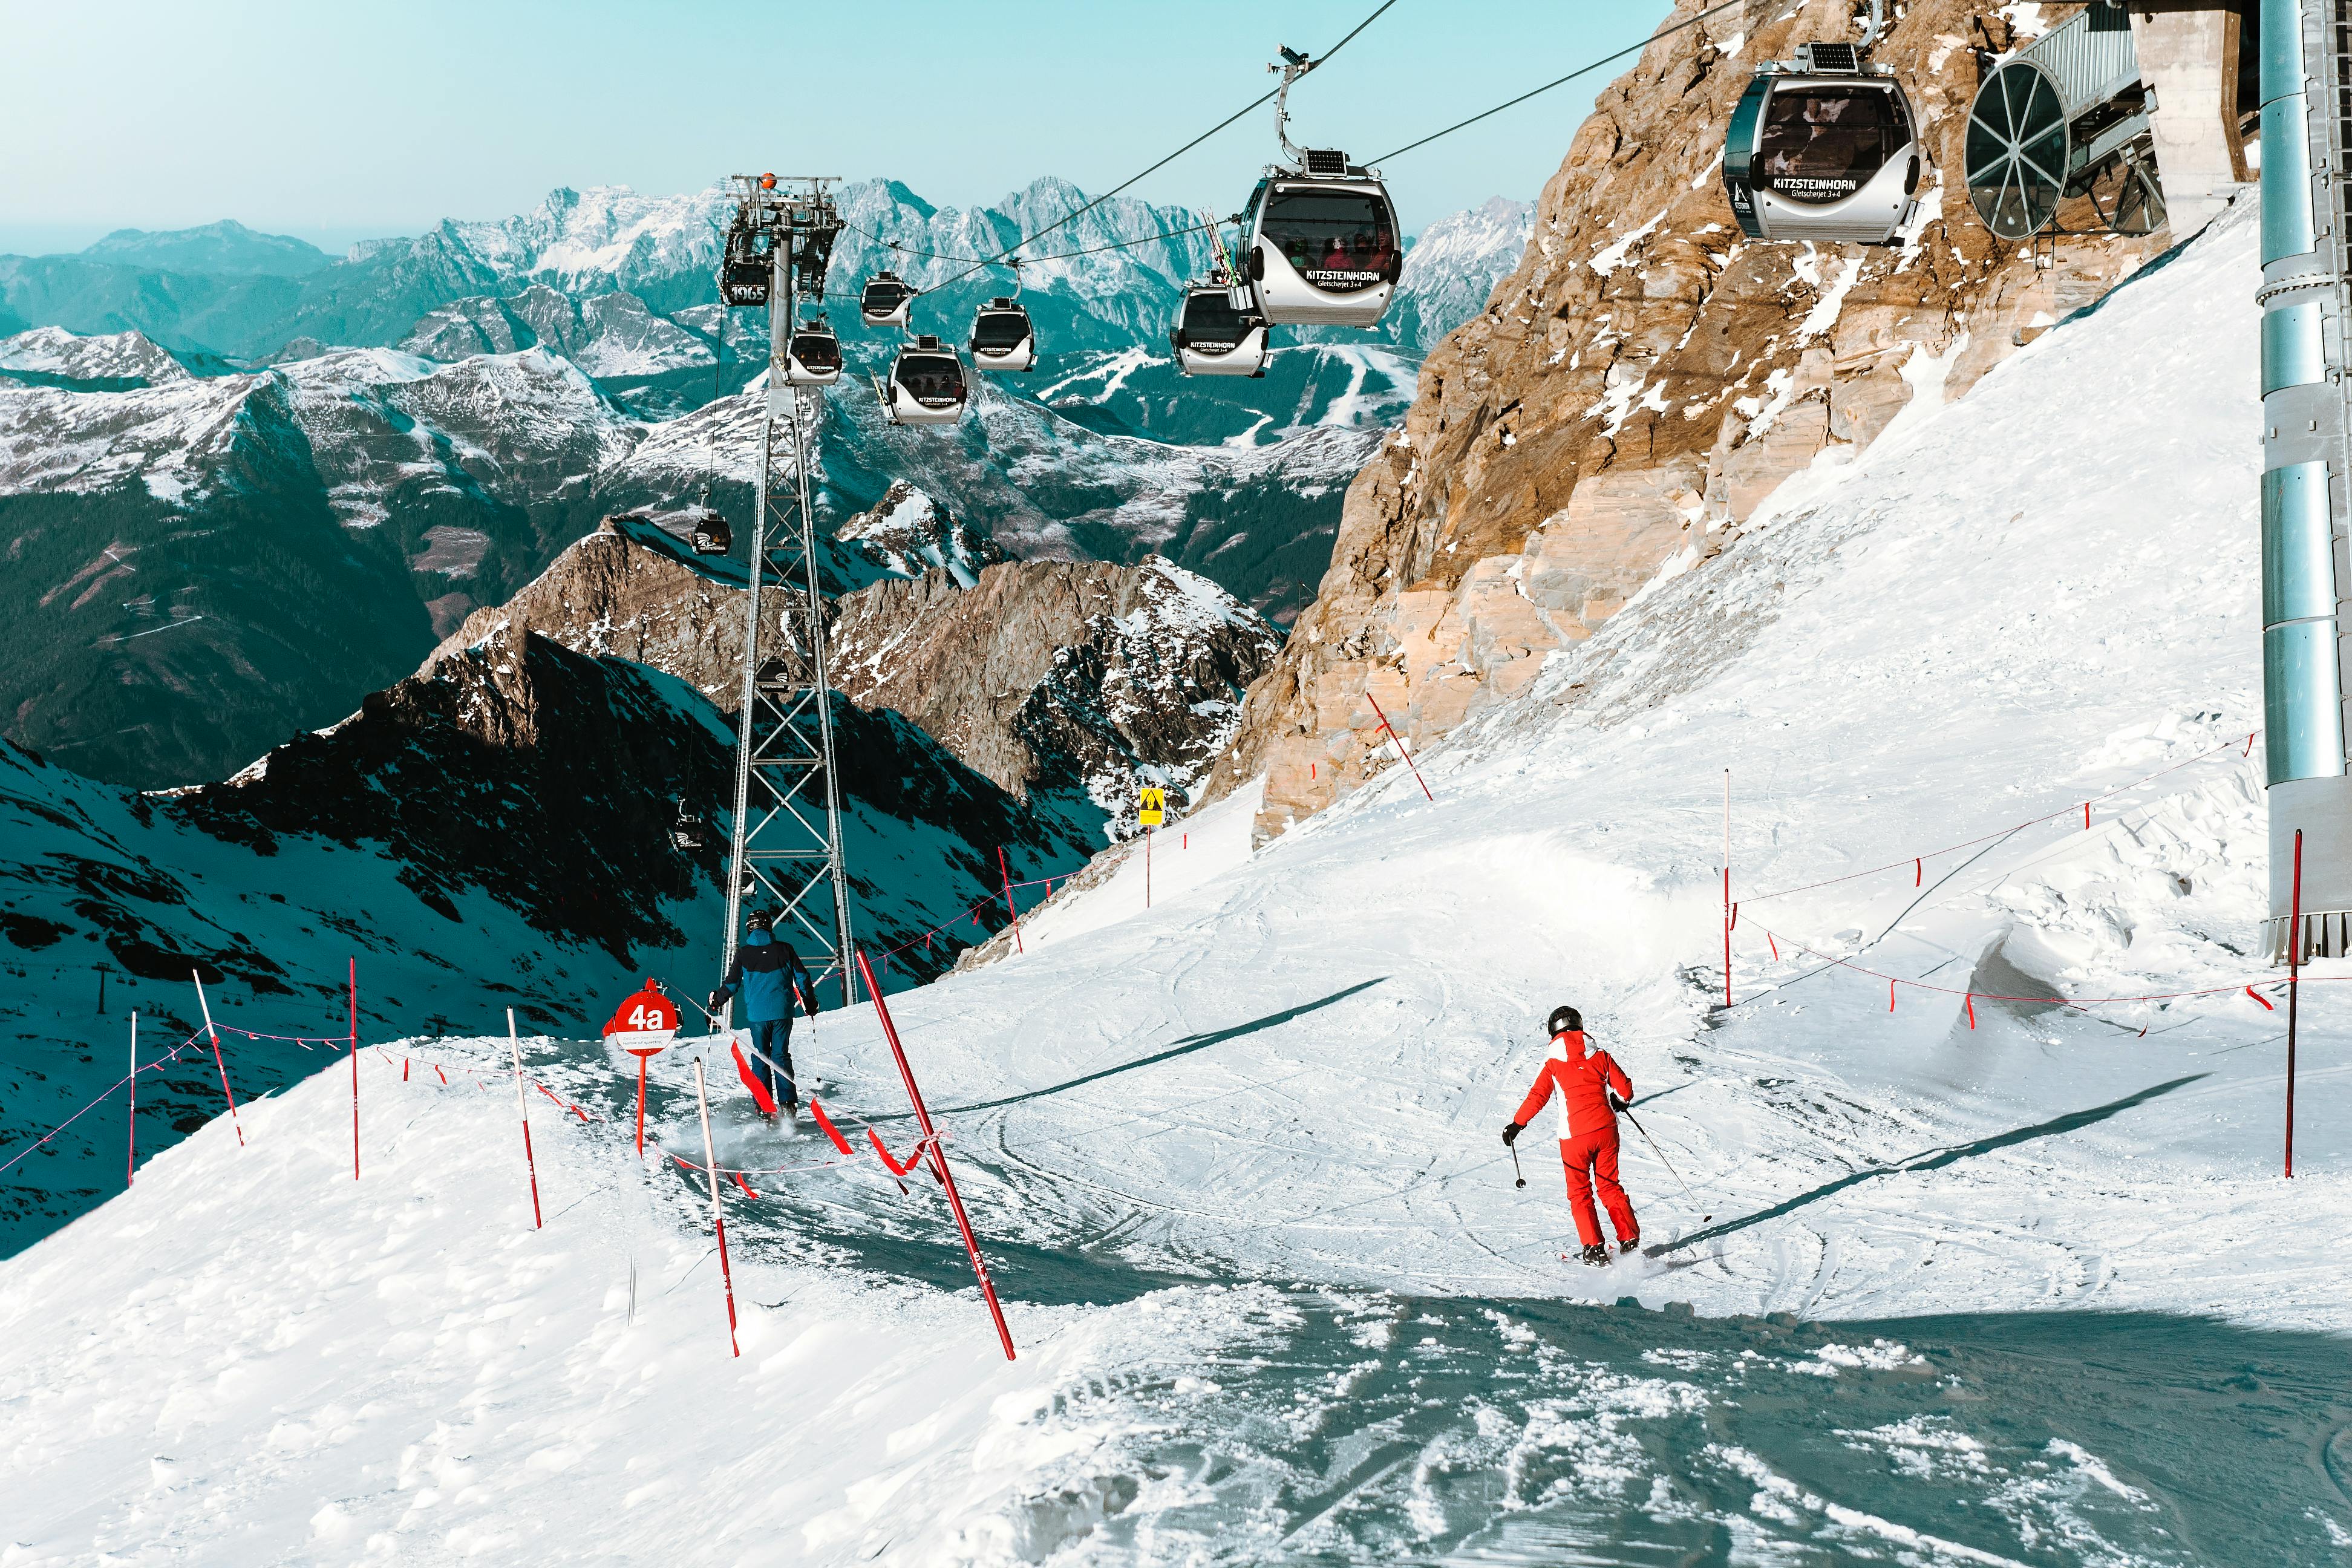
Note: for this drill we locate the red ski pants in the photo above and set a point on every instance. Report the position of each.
(1592, 1160)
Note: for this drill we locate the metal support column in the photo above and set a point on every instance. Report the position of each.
(787, 848)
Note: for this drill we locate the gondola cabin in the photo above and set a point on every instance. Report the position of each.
(1002, 337)
(745, 271)
(1212, 338)
(1324, 246)
(813, 355)
(927, 384)
(707, 532)
(885, 301)
(1825, 149)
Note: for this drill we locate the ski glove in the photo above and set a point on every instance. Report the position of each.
(1617, 1104)
(1511, 1131)
(712, 1005)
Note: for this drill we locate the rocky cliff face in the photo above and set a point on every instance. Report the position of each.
(498, 770)
(1049, 676)
(547, 778)
(1064, 683)
(1636, 390)
(908, 533)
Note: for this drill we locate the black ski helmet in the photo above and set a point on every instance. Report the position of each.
(759, 921)
(1563, 1019)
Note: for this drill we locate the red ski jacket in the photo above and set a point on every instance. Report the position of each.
(1583, 1078)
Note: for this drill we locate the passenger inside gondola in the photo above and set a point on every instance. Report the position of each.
(1825, 141)
(932, 382)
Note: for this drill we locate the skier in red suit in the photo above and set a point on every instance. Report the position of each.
(1592, 1089)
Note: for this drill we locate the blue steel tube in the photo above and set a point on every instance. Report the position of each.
(2305, 567)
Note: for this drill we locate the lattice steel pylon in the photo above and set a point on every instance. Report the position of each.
(787, 814)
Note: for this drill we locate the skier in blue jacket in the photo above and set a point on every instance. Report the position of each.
(768, 973)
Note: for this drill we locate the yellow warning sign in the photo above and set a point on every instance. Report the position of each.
(1155, 807)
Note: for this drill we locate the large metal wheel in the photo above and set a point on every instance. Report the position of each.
(2128, 196)
(2016, 152)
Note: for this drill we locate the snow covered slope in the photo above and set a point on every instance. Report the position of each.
(1255, 1129)
(2024, 600)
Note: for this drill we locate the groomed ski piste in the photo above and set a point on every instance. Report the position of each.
(1235, 1158)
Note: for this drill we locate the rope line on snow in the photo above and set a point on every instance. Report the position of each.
(1916, 861)
(162, 1061)
(2079, 1002)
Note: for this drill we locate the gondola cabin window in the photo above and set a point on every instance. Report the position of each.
(999, 330)
(1340, 241)
(1822, 144)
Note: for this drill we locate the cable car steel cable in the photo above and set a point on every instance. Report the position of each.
(1254, 103)
(1588, 66)
(979, 261)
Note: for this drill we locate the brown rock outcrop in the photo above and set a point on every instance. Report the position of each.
(1639, 386)
(1069, 679)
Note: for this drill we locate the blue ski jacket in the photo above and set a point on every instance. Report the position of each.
(764, 969)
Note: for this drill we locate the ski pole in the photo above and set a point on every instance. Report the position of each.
(698, 1006)
(1515, 1165)
(1669, 1164)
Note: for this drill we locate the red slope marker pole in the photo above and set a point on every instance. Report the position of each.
(1397, 741)
(938, 1159)
(710, 1168)
(213, 1030)
(645, 1055)
(2293, 977)
(130, 1169)
(530, 1163)
(1727, 886)
(1147, 868)
(1005, 874)
(355, 1068)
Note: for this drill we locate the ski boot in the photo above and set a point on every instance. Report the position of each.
(1629, 1247)
(1597, 1255)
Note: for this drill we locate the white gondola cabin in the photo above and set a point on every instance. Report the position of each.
(1322, 246)
(1824, 148)
(812, 354)
(1324, 251)
(1211, 337)
(927, 384)
(1004, 338)
(884, 303)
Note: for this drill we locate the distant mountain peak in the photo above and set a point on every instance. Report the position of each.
(225, 249)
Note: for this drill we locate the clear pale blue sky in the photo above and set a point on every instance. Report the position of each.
(335, 120)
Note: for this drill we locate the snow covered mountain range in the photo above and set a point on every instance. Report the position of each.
(195, 290)
(210, 557)
(205, 564)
